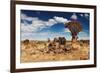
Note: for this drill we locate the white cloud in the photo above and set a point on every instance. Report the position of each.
(38, 24)
(27, 28)
(81, 15)
(50, 22)
(61, 19)
(25, 17)
(86, 15)
(74, 16)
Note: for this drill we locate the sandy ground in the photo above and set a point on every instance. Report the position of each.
(36, 51)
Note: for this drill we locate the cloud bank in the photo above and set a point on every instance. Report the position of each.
(38, 24)
(74, 16)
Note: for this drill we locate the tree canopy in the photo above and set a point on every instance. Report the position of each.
(74, 26)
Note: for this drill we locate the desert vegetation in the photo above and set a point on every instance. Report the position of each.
(54, 50)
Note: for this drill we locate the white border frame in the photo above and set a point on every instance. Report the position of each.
(52, 64)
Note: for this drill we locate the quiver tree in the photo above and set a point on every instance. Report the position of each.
(74, 27)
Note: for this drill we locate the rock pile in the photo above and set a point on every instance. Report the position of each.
(58, 46)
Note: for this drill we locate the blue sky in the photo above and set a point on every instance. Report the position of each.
(41, 25)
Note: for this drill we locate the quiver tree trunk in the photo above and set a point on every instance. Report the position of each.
(74, 38)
